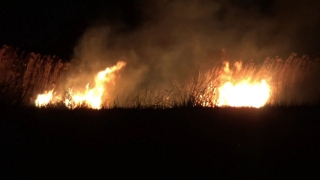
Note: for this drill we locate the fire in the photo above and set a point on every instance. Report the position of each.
(229, 87)
(92, 97)
(44, 99)
(235, 87)
(244, 94)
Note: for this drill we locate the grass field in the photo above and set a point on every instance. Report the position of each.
(220, 142)
(154, 133)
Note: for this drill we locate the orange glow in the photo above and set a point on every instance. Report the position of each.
(244, 94)
(234, 87)
(237, 90)
(44, 99)
(91, 97)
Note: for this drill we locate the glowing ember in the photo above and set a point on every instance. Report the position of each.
(44, 99)
(244, 94)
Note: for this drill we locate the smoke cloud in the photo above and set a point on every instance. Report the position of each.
(172, 39)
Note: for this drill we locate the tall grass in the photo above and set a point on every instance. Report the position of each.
(148, 99)
(23, 75)
(293, 81)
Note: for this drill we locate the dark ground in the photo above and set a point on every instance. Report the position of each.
(222, 142)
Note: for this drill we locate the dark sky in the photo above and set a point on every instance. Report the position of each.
(56, 27)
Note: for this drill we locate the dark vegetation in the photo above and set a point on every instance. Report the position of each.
(143, 141)
(232, 142)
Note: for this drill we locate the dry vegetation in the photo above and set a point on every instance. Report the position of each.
(261, 142)
(25, 74)
(293, 81)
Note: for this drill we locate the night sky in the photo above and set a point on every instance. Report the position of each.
(57, 27)
(54, 27)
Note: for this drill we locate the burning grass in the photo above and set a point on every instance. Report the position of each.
(274, 82)
(134, 132)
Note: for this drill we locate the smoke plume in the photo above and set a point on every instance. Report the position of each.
(171, 40)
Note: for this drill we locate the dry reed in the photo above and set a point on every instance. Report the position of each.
(23, 75)
(293, 81)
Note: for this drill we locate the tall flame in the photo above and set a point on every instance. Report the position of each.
(244, 94)
(92, 97)
(229, 88)
(234, 87)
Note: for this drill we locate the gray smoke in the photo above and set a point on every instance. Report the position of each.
(174, 39)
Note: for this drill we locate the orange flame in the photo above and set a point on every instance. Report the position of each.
(92, 97)
(244, 94)
(234, 87)
(44, 99)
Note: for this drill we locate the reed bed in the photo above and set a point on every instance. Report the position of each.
(23, 75)
(294, 81)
